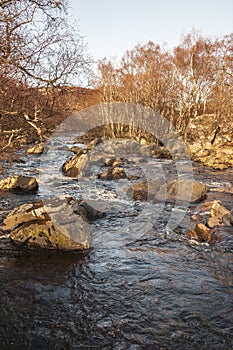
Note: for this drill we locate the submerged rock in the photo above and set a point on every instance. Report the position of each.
(19, 184)
(55, 224)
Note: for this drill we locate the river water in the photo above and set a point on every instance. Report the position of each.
(137, 288)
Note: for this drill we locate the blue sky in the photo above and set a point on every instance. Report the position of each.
(111, 27)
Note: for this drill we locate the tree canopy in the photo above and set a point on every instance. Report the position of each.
(195, 78)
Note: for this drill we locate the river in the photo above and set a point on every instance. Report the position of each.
(135, 289)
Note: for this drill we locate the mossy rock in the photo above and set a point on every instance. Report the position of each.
(44, 235)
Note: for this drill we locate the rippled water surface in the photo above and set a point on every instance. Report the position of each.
(136, 289)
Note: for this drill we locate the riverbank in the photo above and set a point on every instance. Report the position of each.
(209, 143)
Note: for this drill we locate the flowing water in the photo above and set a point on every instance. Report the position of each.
(137, 288)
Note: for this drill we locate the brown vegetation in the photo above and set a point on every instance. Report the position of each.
(38, 68)
(196, 78)
(41, 53)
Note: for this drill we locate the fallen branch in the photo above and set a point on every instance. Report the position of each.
(38, 130)
(13, 133)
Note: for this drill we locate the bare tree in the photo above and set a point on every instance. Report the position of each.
(38, 43)
(196, 78)
(39, 49)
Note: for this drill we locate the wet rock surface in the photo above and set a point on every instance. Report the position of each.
(19, 184)
(206, 230)
(201, 233)
(146, 190)
(112, 173)
(55, 224)
(36, 149)
(186, 190)
(176, 190)
(75, 165)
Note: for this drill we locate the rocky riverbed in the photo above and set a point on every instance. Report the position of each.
(158, 273)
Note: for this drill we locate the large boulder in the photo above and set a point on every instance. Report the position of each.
(157, 190)
(25, 213)
(55, 224)
(186, 190)
(19, 184)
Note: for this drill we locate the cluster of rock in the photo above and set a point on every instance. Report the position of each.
(114, 169)
(54, 224)
(63, 223)
(205, 230)
(210, 142)
(108, 155)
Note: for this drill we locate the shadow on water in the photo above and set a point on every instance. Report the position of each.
(142, 295)
(36, 298)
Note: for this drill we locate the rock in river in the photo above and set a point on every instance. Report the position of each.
(145, 190)
(76, 164)
(19, 184)
(186, 190)
(112, 173)
(218, 216)
(36, 149)
(55, 224)
(157, 190)
(202, 233)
